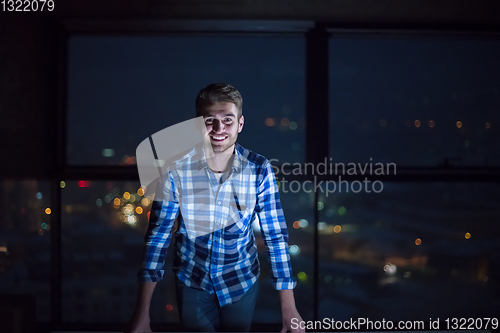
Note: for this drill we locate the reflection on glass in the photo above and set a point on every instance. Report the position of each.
(413, 251)
(25, 241)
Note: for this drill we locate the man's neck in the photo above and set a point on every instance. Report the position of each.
(222, 161)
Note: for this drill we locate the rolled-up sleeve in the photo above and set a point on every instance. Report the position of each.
(273, 229)
(164, 211)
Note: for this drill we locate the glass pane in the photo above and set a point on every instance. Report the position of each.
(25, 241)
(411, 252)
(299, 213)
(415, 101)
(103, 228)
(123, 89)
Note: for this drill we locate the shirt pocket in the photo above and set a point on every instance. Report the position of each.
(238, 220)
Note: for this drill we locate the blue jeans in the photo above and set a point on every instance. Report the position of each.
(200, 311)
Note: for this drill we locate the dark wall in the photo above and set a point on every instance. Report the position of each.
(28, 51)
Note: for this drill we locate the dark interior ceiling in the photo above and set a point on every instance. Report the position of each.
(435, 14)
(445, 14)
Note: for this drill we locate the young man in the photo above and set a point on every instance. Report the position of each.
(217, 191)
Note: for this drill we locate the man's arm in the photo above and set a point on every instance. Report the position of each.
(274, 231)
(164, 211)
(140, 319)
(289, 312)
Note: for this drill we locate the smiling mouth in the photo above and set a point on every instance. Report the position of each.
(218, 138)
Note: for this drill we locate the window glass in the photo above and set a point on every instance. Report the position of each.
(25, 241)
(103, 228)
(415, 101)
(123, 89)
(412, 251)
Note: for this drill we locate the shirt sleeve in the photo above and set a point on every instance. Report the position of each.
(273, 229)
(164, 211)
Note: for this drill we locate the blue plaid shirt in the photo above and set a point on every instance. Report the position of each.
(215, 243)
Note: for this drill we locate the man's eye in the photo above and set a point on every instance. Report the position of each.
(228, 120)
(209, 121)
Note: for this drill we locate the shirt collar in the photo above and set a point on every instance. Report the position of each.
(238, 161)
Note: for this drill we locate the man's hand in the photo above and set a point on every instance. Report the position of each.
(289, 312)
(288, 315)
(139, 324)
(140, 319)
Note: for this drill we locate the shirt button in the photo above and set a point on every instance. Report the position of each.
(216, 240)
(219, 203)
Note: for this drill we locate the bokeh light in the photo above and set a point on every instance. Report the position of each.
(302, 276)
(141, 191)
(269, 122)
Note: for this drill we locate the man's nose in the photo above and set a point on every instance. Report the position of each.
(218, 126)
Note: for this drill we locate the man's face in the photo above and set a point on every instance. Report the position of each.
(223, 125)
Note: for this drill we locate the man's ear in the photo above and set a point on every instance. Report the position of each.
(241, 121)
